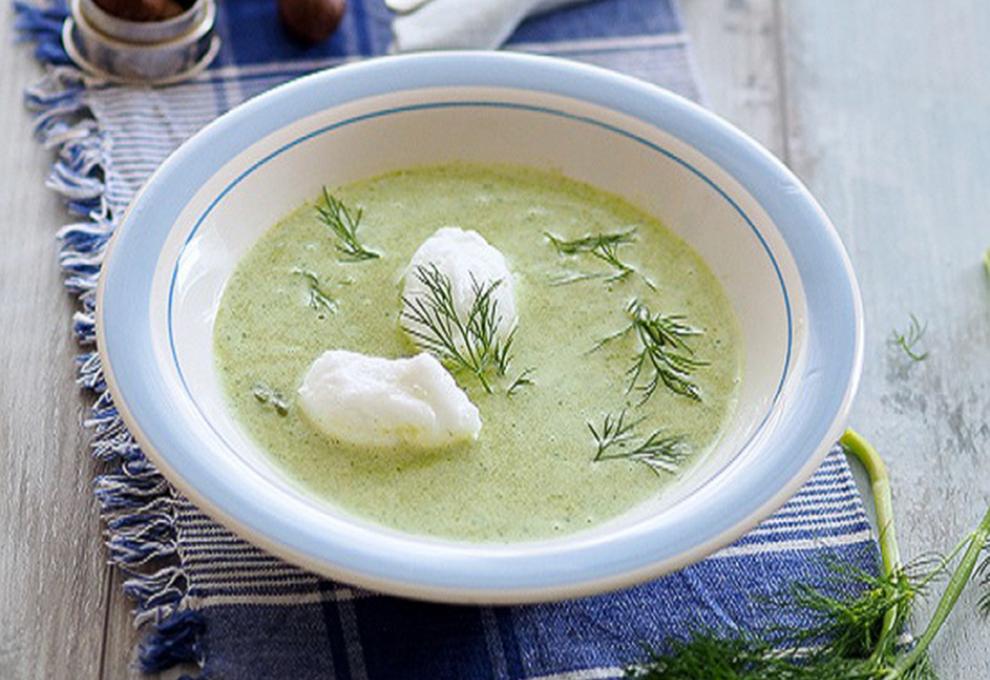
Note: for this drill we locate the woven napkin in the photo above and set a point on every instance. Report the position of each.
(209, 598)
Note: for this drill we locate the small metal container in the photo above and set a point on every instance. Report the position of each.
(141, 52)
(142, 31)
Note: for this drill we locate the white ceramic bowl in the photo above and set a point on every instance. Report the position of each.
(766, 239)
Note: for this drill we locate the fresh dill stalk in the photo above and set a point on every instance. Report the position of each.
(344, 226)
(471, 344)
(616, 439)
(604, 247)
(841, 645)
(267, 395)
(910, 338)
(853, 638)
(665, 356)
(522, 380)
(975, 544)
(319, 299)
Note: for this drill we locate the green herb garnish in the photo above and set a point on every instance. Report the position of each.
(604, 247)
(910, 338)
(844, 642)
(617, 439)
(521, 381)
(472, 344)
(664, 357)
(344, 225)
(855, 638)
(319, 299)
(266, 395)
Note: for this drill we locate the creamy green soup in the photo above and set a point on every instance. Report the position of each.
(531, 474)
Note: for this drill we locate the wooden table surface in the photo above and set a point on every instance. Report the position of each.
(883, 109)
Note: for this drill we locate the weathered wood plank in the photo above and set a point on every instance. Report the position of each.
(736, 57)
(887, 114)
(52, 566)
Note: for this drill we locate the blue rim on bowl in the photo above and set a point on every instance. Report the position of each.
(478, 573)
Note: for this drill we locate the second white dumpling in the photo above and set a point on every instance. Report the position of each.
(374, 401)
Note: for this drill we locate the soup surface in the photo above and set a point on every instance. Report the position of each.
(532, 472)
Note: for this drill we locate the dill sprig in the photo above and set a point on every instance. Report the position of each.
(344, 225)
(319, 299)
(522, 380)
(617, 439)
(267, 395)
(844, 642)
(664, 357)
(910, 338)
(473, 343)
(613, 432)
(604, 247)
(852, 637)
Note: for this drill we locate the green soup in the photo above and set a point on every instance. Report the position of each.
(531, 474)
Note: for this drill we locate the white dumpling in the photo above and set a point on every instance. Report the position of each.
(467, 260)
(374, 401)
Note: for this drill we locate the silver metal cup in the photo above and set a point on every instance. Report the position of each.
(149, 52)
(144, 32)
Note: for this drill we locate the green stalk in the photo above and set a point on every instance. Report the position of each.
(960, 578)
(890, 553)
(854, 443)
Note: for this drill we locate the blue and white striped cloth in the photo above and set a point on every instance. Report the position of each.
(217, 601)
